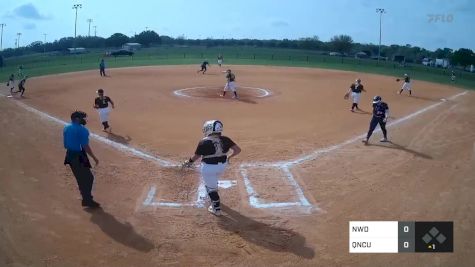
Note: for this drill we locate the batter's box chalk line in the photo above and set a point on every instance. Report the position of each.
(254, 200)
(200, 198)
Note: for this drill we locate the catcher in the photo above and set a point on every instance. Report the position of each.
(355, 91)
(212, 150)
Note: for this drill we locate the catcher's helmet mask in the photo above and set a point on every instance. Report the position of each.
(212, 127)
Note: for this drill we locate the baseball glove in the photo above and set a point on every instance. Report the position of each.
(397, 80)
(346, 96)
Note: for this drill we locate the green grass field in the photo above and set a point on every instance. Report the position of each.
(43, 64)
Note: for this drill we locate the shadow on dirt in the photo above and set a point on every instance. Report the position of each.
(123, 233)
(264, 235)
(393, 145)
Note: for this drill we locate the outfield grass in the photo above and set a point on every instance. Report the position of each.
(43, 64)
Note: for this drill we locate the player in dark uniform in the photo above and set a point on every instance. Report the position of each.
(212, 150)
(102, 68)
(21, 86)
(355, 91)
(203, 66)
(380, 116)
(101, 103)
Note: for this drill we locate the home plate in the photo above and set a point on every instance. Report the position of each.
(227, 183)
(443, 99)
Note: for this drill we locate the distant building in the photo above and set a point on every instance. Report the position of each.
(361, 55)
(131, 46)
(77, 50)
(442, 62)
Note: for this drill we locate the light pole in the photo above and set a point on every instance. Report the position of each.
(89, 31)
(76, 6)
(95, 31)
(18, 39)
(44, 44)
(1, 35)
(380, 11)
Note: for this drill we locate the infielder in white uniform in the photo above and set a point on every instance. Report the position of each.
(101, 103)
(212, 150)
(406, 85)
(355, 91)
(230, 84)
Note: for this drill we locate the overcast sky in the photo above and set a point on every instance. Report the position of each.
(426, 23)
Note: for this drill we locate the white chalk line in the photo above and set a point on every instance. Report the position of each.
(286, 165)
(121, 147)
(253, 198)
(180, 92)
(199, 202)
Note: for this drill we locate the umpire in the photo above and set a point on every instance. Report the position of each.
(76, 143)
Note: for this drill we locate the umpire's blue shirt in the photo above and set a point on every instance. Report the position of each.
(75, 137)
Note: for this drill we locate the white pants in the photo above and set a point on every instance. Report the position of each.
(230, 86)
(220, 61)
(356, 97)
(406, 86)
(104, 114)
(211, 174)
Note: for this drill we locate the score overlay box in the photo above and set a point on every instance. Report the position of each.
(400, 236)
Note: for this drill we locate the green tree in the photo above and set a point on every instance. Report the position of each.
(341, 43)
(463, 57)
(147, 38)
(443, 53)
(117, 40)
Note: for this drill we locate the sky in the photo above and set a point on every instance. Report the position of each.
(430, 24)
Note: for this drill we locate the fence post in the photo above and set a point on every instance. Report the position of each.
(254, 56)
(307, 58)
(272, 58)
(290, 57)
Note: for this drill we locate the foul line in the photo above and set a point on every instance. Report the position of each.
(254, 200)
(286, 165)
(121, 147)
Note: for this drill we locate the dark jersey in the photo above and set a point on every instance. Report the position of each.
(379, 109)
(356, 88)
(407, 79)
(11, 78)
(231, 77)
(213, 149)
(203, 65)
(22, 84)
(102, 102)
(220, 57)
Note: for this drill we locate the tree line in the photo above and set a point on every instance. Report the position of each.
(342, 44)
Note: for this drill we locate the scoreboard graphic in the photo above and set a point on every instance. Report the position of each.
(400, 236)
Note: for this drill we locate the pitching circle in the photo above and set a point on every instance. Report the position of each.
(212, 92)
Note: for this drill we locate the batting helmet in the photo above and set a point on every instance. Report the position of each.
(377, 99)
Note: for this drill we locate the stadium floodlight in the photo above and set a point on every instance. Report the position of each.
(89, 31)
(76, 6)
(380, 11)
(18, 39)
(1, 35)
